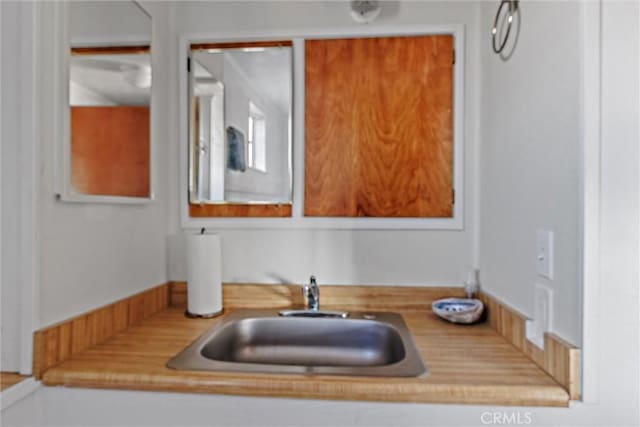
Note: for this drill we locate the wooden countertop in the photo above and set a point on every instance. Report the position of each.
(467, 364)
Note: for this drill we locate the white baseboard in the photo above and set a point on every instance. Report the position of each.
(18, 392)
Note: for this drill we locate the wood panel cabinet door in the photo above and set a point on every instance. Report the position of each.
(379, 127)
(110, 150)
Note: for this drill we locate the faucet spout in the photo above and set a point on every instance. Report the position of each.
(312, 292)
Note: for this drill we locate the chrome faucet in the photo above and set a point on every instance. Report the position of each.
(312, 292)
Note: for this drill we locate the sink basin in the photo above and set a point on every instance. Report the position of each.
(369, 344)
(306, 342)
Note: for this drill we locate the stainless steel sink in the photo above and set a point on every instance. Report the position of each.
(369, 344)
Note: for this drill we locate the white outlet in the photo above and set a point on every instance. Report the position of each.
(544, 253)
(541, 322)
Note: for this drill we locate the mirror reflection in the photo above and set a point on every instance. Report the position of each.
(240, 123)
(109, 99)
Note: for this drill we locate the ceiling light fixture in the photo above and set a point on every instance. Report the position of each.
(365, 11)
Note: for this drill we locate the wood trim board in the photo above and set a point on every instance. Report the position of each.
(561, 360)
(57, 343)
(342, 297)
(238, 210)
(111, 50)
(240, 45)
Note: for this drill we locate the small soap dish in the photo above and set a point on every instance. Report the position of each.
(458, 310)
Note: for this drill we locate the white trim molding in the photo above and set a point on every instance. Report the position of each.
(591, 200)
(18, 392)
(21, 247)
(29, 183)
(298, 220)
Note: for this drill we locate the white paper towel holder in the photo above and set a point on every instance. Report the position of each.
(191, 315)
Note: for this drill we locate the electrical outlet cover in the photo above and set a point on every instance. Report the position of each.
(544, 253)
(542, 309)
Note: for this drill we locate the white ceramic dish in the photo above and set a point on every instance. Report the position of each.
(458, 310)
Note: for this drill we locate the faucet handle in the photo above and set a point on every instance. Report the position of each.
(306, 294)
(311, 294)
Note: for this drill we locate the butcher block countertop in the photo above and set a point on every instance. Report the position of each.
(467, 364)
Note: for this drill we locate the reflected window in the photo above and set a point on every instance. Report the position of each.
(109, 100)
(257, 139)
(252, 86)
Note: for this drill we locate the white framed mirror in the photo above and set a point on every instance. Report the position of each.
(106, 151)
(240, 123)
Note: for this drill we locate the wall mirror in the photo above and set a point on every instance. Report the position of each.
(107, 155)
(240, 123)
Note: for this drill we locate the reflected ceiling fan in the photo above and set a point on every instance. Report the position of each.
(138, 75)
(103, 64)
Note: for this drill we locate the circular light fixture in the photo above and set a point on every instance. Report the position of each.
(365, 11)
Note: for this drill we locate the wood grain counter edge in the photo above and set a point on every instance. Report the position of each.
(323, 388)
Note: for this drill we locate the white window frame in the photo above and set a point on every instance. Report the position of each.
(252, 145)
(298, 220)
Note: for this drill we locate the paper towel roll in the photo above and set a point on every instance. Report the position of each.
(204, 276)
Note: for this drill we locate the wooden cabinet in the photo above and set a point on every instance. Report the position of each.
(379, 127)
(110, 150)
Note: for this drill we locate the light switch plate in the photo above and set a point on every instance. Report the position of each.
(542, 308)
(544, 253)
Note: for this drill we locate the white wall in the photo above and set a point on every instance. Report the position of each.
(93, 254)
(19, 187)
(105, 21)
(10, 213)
(341, 256)
(530, 161)
(619, 287)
